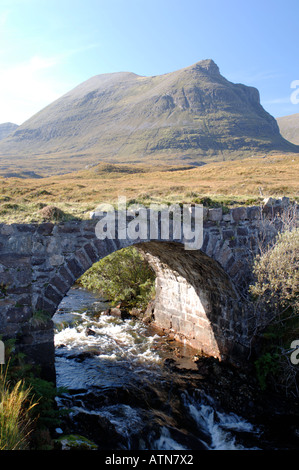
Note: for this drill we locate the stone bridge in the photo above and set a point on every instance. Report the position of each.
(198, 293)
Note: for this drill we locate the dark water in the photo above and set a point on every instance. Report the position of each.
(122, 393)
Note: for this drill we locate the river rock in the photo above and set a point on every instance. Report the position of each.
(74, 442)
(114, 311)
(90, 332)
(106, 436)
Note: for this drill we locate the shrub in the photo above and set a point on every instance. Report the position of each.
(123, 276)
(275, 292)
(277, 276)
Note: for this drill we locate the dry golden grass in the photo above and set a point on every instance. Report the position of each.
(230, 182)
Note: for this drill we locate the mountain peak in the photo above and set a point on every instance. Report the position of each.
(207, 65)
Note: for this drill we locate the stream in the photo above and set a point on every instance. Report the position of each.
(131, 387)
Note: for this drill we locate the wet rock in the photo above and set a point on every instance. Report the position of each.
(74, 442)
(123, 311)
(99, 429)
(149, 314)
(136, 312)
(90, 332)
(115, 311)
(81, 356)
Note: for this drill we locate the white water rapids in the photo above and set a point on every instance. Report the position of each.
(113, 369)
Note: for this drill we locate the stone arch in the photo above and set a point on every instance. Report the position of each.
(195, 298)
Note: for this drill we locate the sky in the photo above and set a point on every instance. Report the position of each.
(47, 47)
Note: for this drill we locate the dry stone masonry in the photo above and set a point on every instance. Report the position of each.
(198, 293)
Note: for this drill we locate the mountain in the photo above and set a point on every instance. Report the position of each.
(7, 128)
(189, 116)
(289, 127)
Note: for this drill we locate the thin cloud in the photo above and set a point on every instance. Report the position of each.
(27, 87)
(285, 100)
(24, 89)
(253, 77)
(3, 18)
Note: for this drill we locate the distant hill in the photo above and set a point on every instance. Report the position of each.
(189, 116)
(7, 128)
(289, 127)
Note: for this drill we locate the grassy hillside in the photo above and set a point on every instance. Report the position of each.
(76, 194)
(289, 127)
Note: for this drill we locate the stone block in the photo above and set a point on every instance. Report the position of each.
(215, 214)
(235, 268)
(14, 260)
(45, 229)
(227, 217)
(239, 213)
(53, 295)
(242, 231)
(91, 253)
(82, 258)
(60, 284)
(38, 248)
(6, 229)
(22, 276)
(187, 328)
(21, 245)
(224, 255)
(56, 260)
(49, 306)
(19, 314)
(175, 323)
(69, 227)
(228, 234)
(25, 228)
(254, 213)
(75, 268)
(66, 276)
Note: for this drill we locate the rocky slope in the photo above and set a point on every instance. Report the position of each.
(189, 116)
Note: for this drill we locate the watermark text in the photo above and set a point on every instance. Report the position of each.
(176, 222)
(295, 93)
(294, 358)
(2, 353)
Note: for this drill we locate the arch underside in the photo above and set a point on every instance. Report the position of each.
(196, 299)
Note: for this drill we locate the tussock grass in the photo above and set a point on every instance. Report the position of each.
(76, 194)
(15, 407)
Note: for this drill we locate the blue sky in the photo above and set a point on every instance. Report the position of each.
(48, 47)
